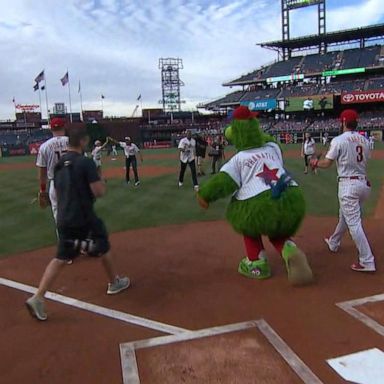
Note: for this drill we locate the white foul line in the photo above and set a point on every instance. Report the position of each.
(350, 308)
(111, 313)
(129, 364)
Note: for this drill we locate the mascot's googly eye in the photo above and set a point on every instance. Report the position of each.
(229, 133)
(256, 271)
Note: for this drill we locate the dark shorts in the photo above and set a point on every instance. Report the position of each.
(70, 239)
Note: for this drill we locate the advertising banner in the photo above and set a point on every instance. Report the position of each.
(14, 150)
(311, 103)
(360, 97)
(34, 148)
(260, 105)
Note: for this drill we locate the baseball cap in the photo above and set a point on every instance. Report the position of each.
(127, 138)
(243, 113)
(57, 122)
(97, 142)
(349, 115)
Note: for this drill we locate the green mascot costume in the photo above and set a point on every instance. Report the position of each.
(266, 201)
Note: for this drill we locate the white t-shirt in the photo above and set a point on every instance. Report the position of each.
(309, 146)
(96, 154)
(351, 152)
(188, 148)
(255, 170)
(129, 150)
(50, 153)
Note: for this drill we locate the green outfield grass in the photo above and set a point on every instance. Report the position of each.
(158, 201)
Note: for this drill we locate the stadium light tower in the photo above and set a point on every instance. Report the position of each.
(290, 5)
(171, 83)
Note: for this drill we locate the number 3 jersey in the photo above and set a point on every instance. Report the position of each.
(351, 152)
(50, 153)
(256, 170)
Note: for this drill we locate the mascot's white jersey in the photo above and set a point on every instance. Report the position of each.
(256, 170)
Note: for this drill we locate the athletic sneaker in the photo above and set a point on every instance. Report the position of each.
(180, 184)
(196, 188)
(137, 183)
(358, 267)
(118, 285)
(258, 269)
(36, 308)
(332, 249)
(299, 271)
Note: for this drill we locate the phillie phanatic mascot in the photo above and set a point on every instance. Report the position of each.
(266, 201)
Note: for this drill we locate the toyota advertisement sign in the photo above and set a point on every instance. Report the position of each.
(362, 97)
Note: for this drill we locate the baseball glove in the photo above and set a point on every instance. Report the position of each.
(43, 198)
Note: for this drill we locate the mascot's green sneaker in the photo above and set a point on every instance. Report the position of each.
(299, 271)
(258, 269)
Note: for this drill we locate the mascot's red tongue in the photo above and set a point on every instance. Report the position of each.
(243, 113)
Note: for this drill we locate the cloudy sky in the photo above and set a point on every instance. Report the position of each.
(113, 46)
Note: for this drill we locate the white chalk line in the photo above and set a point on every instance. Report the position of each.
(129, 364)
(350, 308)
(106, 312)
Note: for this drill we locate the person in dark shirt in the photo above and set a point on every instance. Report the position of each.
(217, 154)
(201, 150)
(80, 231)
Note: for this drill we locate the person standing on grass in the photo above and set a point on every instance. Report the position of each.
(201, 150)
(131, 150)
(217, 154)
(308, 150)
(80, 231)
(187, 147)
(97, 154)
(48, 156)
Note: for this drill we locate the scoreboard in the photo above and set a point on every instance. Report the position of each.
(294, 4)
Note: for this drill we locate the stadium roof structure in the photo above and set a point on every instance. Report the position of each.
(347, 36)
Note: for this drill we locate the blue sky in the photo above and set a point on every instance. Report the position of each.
(113, 46)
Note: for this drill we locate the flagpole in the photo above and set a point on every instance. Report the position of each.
(81, 100)
(14, 105)
(41, 112)
(69, 94)
(102, 105)
(46, 95)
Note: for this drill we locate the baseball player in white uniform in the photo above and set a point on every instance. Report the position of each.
(47, 158)
(371, 142)
(350, 151)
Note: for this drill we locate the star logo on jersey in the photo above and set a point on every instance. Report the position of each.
(268, 175)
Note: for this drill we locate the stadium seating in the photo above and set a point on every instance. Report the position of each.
(318, 63)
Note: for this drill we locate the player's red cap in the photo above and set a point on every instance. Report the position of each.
(243, 113)
(349, 115)
(57, 122)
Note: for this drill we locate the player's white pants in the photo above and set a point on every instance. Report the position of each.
(53, 198)
(352, 194)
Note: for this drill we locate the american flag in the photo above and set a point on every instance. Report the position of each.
(40, 77)
(65, 79)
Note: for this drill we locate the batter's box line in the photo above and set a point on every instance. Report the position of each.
(130, 370)
(97, 309)
(350, 308)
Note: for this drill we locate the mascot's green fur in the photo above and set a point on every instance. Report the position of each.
(276, 212)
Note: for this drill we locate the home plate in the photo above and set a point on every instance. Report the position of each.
(366, 367)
